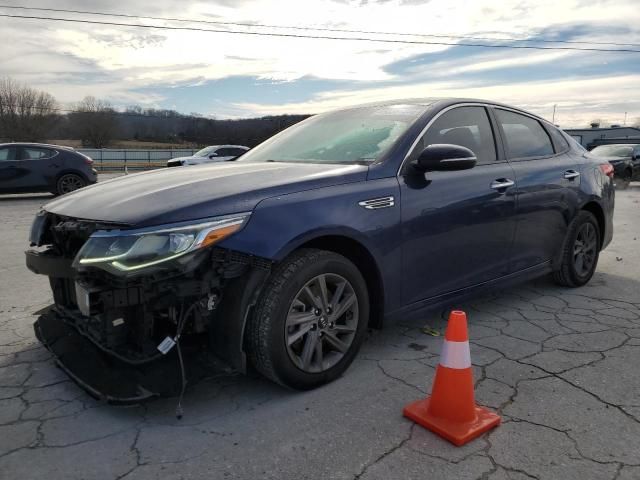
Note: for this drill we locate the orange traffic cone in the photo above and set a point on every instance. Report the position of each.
(451, 410)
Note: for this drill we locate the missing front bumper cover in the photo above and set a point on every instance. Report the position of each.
(112, 380)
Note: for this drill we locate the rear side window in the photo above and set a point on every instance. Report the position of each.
(36, 153)
(226, 152)
(524, 137)
(559, 140)
(7, 153)
(465, 126)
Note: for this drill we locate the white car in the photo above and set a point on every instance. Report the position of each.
(211, 154)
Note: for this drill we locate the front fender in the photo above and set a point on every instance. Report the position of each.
(283, 223)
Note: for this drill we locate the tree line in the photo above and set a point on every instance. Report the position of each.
(30, 115)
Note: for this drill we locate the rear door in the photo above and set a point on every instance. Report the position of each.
(548, 183)
(38, 166)
(9, 171)
(457, 226)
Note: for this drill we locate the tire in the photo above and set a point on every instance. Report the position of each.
(284, 300)
(583, 236)
(68, 183)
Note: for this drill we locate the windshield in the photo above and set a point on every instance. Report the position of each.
(613, 150)
(348, 136)
(205, 152)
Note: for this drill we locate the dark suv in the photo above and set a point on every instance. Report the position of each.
(36, 167)
(286, 256)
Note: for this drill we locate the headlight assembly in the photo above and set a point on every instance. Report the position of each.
(127, 251)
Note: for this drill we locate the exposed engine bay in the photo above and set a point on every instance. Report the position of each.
(134, 322)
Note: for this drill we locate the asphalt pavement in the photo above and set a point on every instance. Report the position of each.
(560, 366)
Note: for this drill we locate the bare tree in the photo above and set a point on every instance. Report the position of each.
(26, 114)
(96, 122)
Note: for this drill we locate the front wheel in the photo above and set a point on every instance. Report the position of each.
(581, 251)
(310, 321)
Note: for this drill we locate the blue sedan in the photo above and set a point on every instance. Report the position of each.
(283, 258)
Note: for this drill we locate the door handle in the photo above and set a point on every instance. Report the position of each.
(571, 174)
(502, 183)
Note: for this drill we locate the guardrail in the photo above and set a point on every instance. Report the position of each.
(112, 159)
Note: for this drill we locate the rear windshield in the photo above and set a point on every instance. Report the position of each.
(348, 136)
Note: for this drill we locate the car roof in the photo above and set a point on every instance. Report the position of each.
(439, 103)
(227, 146)
(32, 144)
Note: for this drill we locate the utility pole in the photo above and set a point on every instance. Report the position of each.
(553, 119)
(625, 119)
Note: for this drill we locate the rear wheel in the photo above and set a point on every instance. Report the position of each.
(69, 182)
(310, 320)
(581, 251)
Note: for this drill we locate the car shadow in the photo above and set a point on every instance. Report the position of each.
(25, 197)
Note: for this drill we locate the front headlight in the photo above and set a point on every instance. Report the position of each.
(132, 250)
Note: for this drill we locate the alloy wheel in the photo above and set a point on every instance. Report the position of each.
(69, 182)
(585, 249)
(321, 323)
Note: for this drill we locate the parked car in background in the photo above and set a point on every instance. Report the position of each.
(625, 159)
(284, 258)
(36, 167)
(211, 154)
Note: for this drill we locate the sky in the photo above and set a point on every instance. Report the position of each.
(226, 75)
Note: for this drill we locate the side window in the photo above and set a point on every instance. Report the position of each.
(559, 141)
(465, 126)
(224, 152)
(7, 153)
(524, 136)
(36, 153)
(237, 152)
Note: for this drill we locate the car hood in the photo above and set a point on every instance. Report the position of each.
(175, 195)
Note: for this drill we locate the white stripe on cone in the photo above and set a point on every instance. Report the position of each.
(455, 355)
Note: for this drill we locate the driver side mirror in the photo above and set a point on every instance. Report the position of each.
(211, 155)
(445, 157)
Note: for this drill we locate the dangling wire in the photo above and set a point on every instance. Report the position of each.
(181, 323)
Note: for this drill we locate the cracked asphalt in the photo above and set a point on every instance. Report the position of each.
(561, 366)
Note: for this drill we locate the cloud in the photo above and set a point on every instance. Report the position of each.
(577, 99)
(155, 67)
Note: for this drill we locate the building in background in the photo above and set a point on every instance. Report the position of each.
(594, 136)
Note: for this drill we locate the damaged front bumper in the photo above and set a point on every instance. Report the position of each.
(111, 379)
(106, 331)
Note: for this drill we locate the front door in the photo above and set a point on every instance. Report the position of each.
(457, 226)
